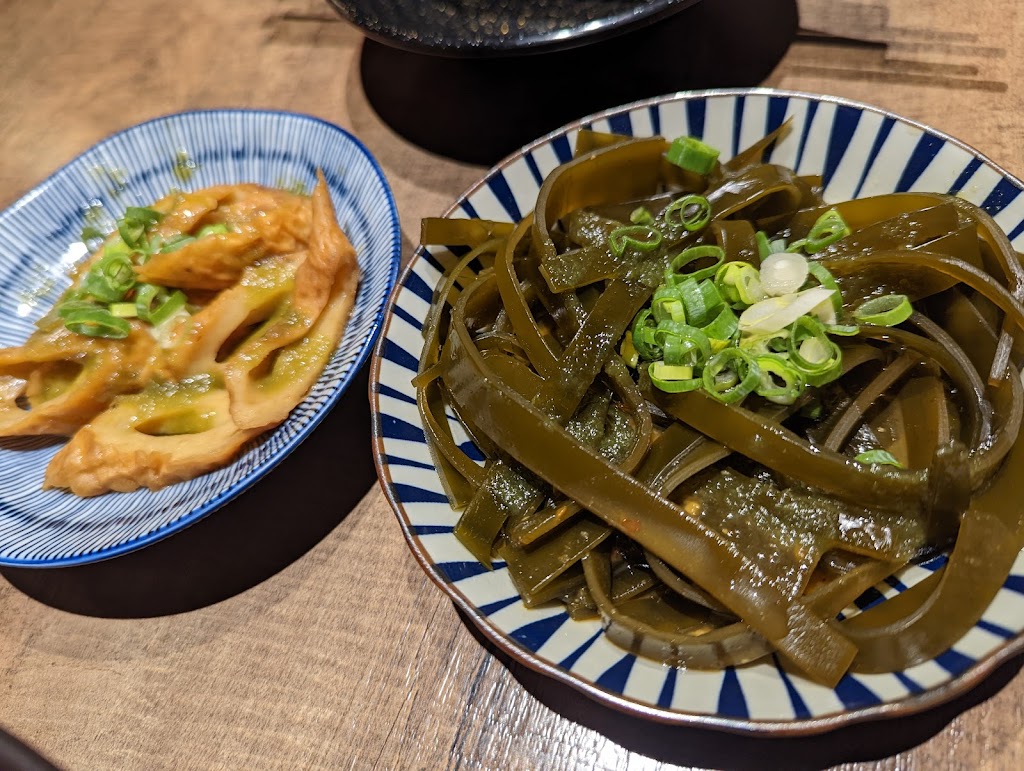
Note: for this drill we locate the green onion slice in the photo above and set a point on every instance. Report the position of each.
(174, 303)
(641, 215)
(97, 322)
(132, 226)
(147, 298)
(643, 238)
(692, 155)
(765, 343)
(73, 304)
(124, 310)
(215, 229)
(691, 212)
(643, 335)
(724, 326)
(781, 382)
(695, 253)
(682, 344)
(174, 243)
(885, 311)
(810, 351)
(701, 301)
(731, 375)
(824, 278)
(667, 303)
(628, 352)
(879, 457)
(739, 283)
(829, 228)
(673, 379)
(110, 277)
(783, 273)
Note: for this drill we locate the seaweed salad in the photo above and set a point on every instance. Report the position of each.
(715, 410)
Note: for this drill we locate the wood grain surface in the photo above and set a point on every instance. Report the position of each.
(293, 629)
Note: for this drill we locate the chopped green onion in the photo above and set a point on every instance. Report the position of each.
(701, 301)
(682, 344)
(117, 248)
(695, 253)
(168, 308)
(822, 275)
(781, 382)
(671, 379)
(691, 212)
(132, 226)
(124, 310)
(142, 214)
(842, 330)
(886, 311)
(783, 273)
(692, 155)
(810, 351)
(739, 283)
(667, 303)
(764, 246)
(769, 342)
(72, 304)
(110, 278)
(643, 238)
(796, 246)
(829, 228)
(731, 375)
(641, 215)
(777, 313)
(147, 297)
(724, 326)
(878, 457)
(214, 229)
(643, 335)
(97, 322)
(628, 352)
(174, 243)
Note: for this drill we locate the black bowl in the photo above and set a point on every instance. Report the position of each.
(477, 28)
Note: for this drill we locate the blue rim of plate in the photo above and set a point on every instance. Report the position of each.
(1005, 190)
(362, 350)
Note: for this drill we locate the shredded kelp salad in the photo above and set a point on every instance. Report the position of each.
(715, 410)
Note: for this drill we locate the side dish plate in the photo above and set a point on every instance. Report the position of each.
(40, 240)
(860, 151)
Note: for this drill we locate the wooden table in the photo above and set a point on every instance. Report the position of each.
(272, 635)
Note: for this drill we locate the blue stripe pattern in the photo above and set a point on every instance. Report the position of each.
(584, 659)
(843, 126)
(40, 241)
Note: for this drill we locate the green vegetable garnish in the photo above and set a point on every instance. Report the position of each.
(692, 155)
(886, 311)
(882, 457)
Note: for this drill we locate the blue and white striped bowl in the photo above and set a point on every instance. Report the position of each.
(859, 150)
(40, 240)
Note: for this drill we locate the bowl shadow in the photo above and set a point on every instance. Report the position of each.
(704, 748)
(240, 545)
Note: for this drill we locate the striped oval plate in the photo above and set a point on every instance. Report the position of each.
(859, 150)
(40, 238)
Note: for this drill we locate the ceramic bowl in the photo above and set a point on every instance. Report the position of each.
(860, 151)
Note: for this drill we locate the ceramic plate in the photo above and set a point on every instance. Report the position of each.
(40, 239)
(860, 151)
